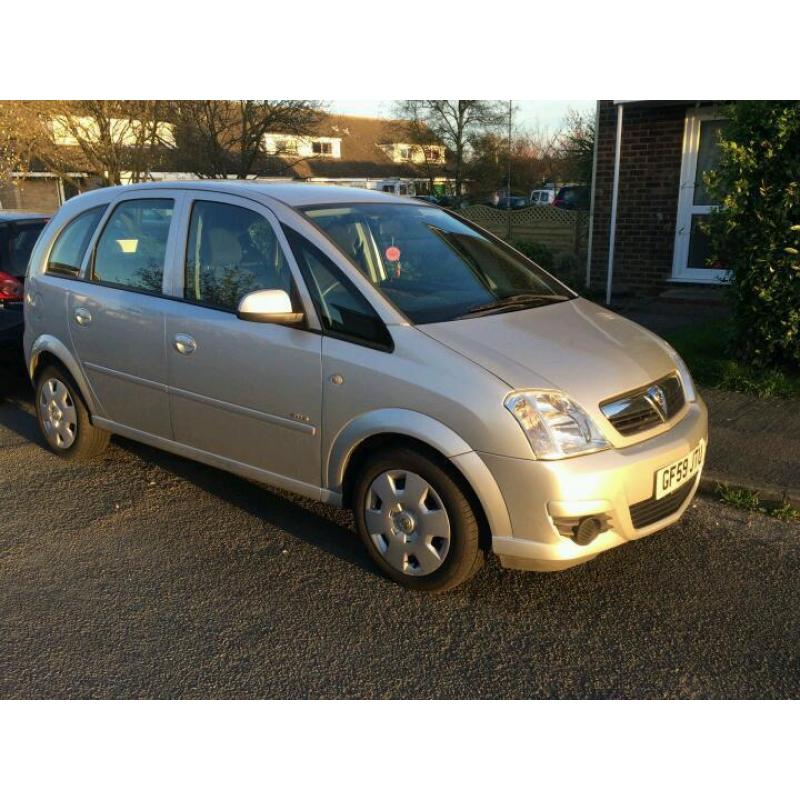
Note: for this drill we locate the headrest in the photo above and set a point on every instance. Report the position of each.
(224, 248)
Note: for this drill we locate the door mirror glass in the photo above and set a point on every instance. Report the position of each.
(268, 305)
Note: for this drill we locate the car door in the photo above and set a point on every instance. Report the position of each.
(116, 314)
(248, 392)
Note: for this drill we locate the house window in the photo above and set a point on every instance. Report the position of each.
(406, 154)
(433, 153)
(286, 146)
(322, 148)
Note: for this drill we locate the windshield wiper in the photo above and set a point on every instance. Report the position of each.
(513, 302)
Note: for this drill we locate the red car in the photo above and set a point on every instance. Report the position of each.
(19, 231)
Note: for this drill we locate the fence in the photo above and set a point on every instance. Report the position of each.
(563, 232)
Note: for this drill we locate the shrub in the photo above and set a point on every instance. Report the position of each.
(568, 269)
(536, 251)
(756, 231)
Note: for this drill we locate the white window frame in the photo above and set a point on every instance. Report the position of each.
(686, 206)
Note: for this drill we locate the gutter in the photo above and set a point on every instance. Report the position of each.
(612, 235)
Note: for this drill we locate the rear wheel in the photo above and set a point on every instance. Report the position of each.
(64, 419)
(416, 521)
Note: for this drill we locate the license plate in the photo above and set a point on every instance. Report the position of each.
(675, 475)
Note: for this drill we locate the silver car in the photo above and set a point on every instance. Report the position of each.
(373, 352)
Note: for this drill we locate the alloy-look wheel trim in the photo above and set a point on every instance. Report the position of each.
(58, 414)
(407, 522)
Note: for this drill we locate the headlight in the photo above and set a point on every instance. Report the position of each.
(555, 426)
(686, 376)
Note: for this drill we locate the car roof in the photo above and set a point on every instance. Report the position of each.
(292, 193)
(12, 215)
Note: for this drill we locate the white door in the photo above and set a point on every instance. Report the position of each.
(700, 154)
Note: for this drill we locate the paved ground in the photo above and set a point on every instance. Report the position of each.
(145, 575)
(674, 309)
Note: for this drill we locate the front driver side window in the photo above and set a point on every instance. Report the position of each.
(343, 310)
(231, 251)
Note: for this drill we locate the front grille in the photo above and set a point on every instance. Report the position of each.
(651, 510)
(646, 407)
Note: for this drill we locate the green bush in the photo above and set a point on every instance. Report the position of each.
(756, 231)
(536, 251)
(568, 269)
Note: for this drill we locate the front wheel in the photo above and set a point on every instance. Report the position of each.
(416, 521)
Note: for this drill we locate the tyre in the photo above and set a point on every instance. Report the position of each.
(415, 521)
(63, 418)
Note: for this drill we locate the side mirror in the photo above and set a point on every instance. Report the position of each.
(268, 305)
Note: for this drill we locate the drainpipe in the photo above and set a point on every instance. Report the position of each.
(612, 234)
(591, 199)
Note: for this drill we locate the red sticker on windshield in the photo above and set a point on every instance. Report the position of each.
(392, 253)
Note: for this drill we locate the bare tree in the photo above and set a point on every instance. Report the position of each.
(535, 159)
(218, 138)
(577, 146)
(16, 134)
(453, 123)
(109, 138)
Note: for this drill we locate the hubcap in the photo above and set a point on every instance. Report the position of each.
(58, 415)
(407, 521)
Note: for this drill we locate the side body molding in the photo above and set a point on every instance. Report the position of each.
(46, 343)
(435, 434)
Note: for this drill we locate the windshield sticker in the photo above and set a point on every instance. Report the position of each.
(392, 253)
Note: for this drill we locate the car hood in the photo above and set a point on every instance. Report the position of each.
(585, 350)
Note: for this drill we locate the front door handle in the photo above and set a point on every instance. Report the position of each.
(82, 316)
(185, 344)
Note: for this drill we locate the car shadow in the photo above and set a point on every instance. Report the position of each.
(309, 521)
(306, 520)
(16, 405)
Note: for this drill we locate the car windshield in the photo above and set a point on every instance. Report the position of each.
(433, 266)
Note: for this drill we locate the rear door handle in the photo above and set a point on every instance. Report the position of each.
(82, 316)
(185, 344)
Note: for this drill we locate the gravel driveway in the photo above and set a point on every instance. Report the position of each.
(146, 575)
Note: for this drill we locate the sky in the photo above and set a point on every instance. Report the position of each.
(529, 114)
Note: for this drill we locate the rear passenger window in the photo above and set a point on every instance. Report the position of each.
(133, 246)
(67, 254)
(231, 251)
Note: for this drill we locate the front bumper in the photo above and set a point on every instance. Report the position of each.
(541, 494)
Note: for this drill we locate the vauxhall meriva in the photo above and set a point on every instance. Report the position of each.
(368, 351)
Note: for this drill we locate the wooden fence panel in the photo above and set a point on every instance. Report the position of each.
(560, 230)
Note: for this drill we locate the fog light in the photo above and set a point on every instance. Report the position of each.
(588, 529)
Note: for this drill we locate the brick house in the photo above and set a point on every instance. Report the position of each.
(649, 196)
(363, 151)
(38, 189)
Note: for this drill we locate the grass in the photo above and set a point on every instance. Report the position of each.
(704, 348)
(748, 500)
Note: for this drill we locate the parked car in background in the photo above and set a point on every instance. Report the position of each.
(572, 198)
(369, 351)
(513, 203)
(19, 231)
(429, 198)
(455, 201)
(542, 197)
